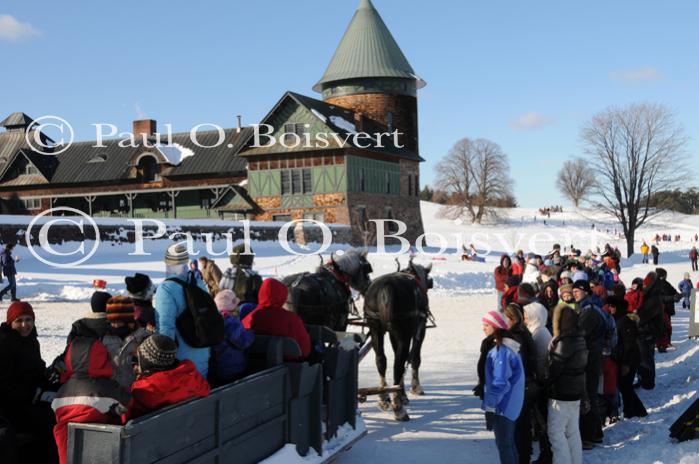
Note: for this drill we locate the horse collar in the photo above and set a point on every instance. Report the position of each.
(339, 275)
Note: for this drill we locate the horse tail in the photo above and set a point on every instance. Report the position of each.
(385, 301)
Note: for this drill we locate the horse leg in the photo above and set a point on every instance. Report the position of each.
(377, 336)
(416, 359)
(401, 349)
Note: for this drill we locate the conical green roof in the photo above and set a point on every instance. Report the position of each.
(367, 50)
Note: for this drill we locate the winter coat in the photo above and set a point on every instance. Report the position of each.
(650, 313)
(89, 395)
(693, 254)
(229, 355)
(566, 363)
(526, 349)
(144, 313)
(487, 344)
(169, 305)
(211, 274)
(517, 266)
(669, 295)
(501, 274)
(270, 318)
(644, 249)
(22, 371)
(93, 325)
(654, 251)
(160, 389)
(627, 352)
(504, 380)
(635, 300)
(510, 296)
(121, 352)
(686, 287)
(537, 316)
(7, 261)
(531, 275)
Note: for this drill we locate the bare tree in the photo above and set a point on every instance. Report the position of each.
(476, 174)
(575, 180)
(635, 151)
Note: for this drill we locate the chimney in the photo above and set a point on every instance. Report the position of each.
(238, 127)
(144, 128)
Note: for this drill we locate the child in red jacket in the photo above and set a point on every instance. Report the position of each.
(90, 395)
(270, 317)
(163, 380)
(634, 297)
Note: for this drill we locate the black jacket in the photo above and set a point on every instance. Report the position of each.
(592, 324)
(527, 352)
(90, 327)
(669, 295)
(486, 345)
(651, 312)
(22, 371)
(565, 367)
(627, 352)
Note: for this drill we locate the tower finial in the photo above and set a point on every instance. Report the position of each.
(365, 4)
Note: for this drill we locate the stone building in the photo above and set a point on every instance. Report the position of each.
(334, 175)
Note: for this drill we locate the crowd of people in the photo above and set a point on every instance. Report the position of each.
(566, 349)
(136, 353)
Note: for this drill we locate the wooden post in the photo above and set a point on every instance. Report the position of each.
(173, 195)
(130, 198)
(90, 199)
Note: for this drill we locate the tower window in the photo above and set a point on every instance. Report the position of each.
(388, 183)
(410, 185)
(361, 180)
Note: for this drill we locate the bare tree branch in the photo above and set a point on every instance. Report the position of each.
(575, 181)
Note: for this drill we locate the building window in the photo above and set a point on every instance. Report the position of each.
(320, 217)
(31, 203)
(389, 121)
(417, 186)
(281, 217)
(410, 185)
(148, 169)
(296, 181)
(30, 170)
(293, 128)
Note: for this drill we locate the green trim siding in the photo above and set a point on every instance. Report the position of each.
(264, 183)
(375, 174)
(326, 179)
(357, 86)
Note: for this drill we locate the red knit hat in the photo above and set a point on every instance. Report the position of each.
(19, 309)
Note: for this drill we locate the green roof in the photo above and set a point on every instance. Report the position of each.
(367, 50)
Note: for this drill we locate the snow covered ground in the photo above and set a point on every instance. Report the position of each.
(447, 424)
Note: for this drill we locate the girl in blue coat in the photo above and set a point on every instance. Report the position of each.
(686, 290)
(229, 361)
(504, 387)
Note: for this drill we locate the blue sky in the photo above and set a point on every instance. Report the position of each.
(524, 74)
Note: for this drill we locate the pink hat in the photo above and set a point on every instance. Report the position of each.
(226, 300)
(495, 319)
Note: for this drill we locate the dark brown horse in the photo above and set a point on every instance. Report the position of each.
(397, 303)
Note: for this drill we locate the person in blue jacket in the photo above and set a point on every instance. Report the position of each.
(504, 387)
(228, 357)
(170, 303)
(686, 290)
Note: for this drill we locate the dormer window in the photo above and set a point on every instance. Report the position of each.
(295, 128)
(98, 158)
(148, 169)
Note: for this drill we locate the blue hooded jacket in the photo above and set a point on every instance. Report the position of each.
(504, 380)
(229, 356)
(169, 304)
(685, 287)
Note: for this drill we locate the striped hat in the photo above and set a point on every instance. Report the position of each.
(176, 254)
(120, 308)
(157, 353)
(495, 319)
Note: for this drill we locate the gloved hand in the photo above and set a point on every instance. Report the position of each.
(489, 420)
(584, 407)
(478, 391)
(47, 396)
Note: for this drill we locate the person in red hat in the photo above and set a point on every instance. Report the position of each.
(25, 393)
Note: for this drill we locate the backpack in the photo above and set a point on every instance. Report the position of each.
(200, 325)
(244, 282)
(611, 337)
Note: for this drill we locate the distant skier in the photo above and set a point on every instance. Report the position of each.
(693, 256)
(656, 253)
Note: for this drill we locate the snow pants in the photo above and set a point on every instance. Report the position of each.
(564, 432)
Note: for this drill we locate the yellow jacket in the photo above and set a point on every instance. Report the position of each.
(644, 249)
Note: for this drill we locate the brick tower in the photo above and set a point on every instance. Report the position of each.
(370, 75)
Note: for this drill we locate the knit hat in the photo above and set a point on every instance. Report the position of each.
(638, 281)
(140, 286)
(18, 309)
(98, 301)
(567, 288)
(495, 319)
(580, 275)
(661, 273)
(583, 285)
(157, 353)
(226, 300)
(176, 254)
(120, 308)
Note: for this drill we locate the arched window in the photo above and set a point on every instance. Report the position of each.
(148, 169)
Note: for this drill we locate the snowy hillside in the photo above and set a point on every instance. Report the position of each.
(447, 424)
